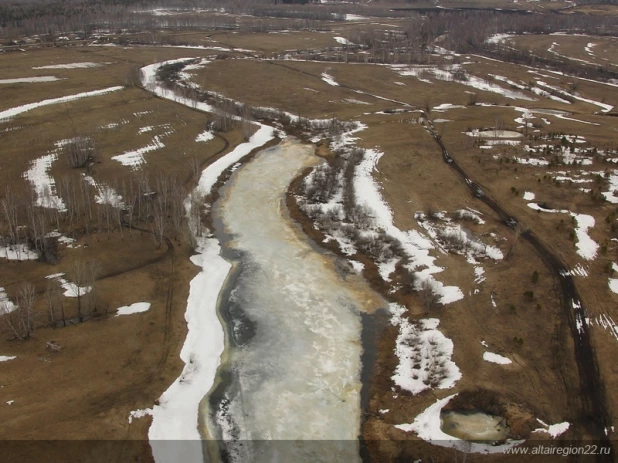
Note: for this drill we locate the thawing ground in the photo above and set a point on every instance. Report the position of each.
(293, 365)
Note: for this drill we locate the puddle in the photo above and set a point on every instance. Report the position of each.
(474, 426)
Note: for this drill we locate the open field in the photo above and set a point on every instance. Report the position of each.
(475, 197)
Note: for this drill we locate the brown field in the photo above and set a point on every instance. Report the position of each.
(110, 365)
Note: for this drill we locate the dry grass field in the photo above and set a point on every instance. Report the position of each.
(109, 366)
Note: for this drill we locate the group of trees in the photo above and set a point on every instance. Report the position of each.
(34, 308)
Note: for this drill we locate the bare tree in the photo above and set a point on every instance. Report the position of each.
(26, 297)
(79, 152)
(93, 269)
(428, 295)
(49, 297)
(79, 275)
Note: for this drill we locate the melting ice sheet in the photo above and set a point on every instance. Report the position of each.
(297, 378)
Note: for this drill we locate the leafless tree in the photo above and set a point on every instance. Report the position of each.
(79, 275)
(79, 152)
(50, 294)
(428, 295)
(93, 269)
(245, 122)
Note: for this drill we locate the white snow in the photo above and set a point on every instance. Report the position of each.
(357, 266)
(329, 79)
(43, 183)
(613, 285)
(355, 17)
(494, 134)
(414, 244)
(424, 355)
(140, 413)
(554, 430)
(589, 46)
(82, 65)
(498, 38)
(10, 402)
(209, 176)
(529, 196)
(479, 275)
(8, 113)
(176, 415)
(105, 194)
(445, 106)
(428, 424)
(6, 305)
(70, 289)
(604, 107)
(17, 252)
(343, 41)
(6, 358)
(205, 136)
(135, 158)
(449, 73)
(586, 246)
(536, 207)
(29, 80)
(137, 307)
(495, 358)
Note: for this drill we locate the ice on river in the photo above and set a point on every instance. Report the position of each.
(298, 376)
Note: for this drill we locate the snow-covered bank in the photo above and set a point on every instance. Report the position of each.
(8, 113)
(175, 417)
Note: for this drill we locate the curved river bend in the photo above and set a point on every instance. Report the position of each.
(289, 386)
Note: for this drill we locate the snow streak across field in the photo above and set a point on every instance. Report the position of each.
(9, 113)
(175, 418)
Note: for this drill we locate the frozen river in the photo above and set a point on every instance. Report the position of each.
(290, 376)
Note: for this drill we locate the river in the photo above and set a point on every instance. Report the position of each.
(289, 382)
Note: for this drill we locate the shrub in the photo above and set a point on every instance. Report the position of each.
(535, 277)
(79, 152)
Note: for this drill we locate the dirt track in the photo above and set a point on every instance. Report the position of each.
(593, 408)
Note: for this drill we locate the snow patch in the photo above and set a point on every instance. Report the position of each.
(495, 358)
(29, 80)
(424, 355)
(139, 414)
(82, 65)
(554, 430)
(137, 307)
(9, 113)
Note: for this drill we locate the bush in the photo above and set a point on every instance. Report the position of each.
(79, 152)
(535, 277)
(529, 295)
